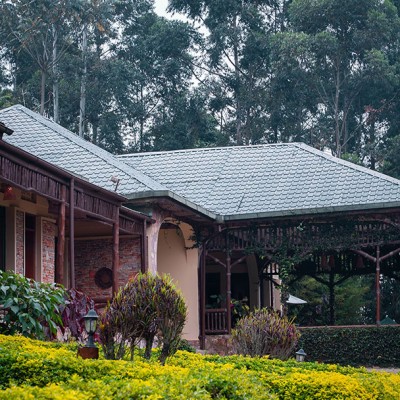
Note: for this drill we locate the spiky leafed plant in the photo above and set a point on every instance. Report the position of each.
(265, 332)
(148, 306)
(171, 317)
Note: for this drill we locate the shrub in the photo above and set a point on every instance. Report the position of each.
(76, 306)
(31, 369)
(356, 345)
(264, 332)
(149, 306)
(28, 307)
(171, 316)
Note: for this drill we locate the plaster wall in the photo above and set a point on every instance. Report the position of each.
(176, 258)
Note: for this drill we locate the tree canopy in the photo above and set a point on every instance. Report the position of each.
(323, 72)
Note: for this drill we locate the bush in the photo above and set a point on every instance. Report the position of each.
(264, 332)
(28, 307)
(149, 306)
(77, 305)
(357, 345)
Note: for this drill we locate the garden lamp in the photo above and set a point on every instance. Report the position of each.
(90, 326)
(300, 355)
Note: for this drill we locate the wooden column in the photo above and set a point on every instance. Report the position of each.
(115, 254)
(228, 287)
(378, 285)
(331, 297)
(61, 239)
(202, 295)
(72, 233)
(143, 246)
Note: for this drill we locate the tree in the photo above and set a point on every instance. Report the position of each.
(34, 33)
(237, 59)
(157, 57)
(347, 41)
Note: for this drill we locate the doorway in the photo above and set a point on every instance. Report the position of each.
(30, 246)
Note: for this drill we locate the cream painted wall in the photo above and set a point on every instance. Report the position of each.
(175, 257)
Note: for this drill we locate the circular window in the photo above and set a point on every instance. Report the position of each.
(104, 278)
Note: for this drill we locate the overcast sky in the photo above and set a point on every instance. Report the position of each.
(160, 6)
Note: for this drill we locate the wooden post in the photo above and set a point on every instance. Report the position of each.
(202, 293)
(378, 285)
(61, 239)
(115, 254)
(228, 286)
(143, 246)
(331, 297)
(72, 233)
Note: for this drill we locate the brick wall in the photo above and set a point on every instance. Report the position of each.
(48, 251)
(91, 255)
(20, 233)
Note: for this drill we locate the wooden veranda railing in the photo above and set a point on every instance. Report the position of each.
(216, 321)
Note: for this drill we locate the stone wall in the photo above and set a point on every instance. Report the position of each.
(218, 344)
(92, 255)
(48, 251)
(20, 248)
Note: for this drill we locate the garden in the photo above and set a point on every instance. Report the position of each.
(142, 355)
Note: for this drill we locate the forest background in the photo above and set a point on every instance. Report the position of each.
(323, 72)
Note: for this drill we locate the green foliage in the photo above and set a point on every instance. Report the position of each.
(368, 346)
(42, 370)
(265, 332)
(350, 301)
(28, 307)
(149, 306)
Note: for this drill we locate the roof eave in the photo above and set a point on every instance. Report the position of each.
(312, 211)
(173, 196)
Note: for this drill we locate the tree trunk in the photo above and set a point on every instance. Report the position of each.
(336, 112)
(42, 91)
(82, 103)
(239, 139)
(56, 106)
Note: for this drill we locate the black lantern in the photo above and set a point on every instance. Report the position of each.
(300, 355)
(90, 326)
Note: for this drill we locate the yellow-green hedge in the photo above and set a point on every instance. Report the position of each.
(38, 370)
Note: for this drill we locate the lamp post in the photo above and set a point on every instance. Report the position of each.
(300, 355)
(90, 326)
(90, 350)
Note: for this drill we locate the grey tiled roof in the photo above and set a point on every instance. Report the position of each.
(229, 182)
(277, 179)
(57, 145)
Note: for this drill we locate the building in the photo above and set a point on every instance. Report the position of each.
(218, 220)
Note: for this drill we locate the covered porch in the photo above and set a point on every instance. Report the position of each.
(329, 247)
(50, 217)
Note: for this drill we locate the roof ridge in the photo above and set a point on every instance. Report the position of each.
(198, 149)
(92, 148)
(346, 163)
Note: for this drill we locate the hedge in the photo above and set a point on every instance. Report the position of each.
(367, 346)
(37, 370)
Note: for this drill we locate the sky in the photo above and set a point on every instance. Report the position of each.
(160, 7)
